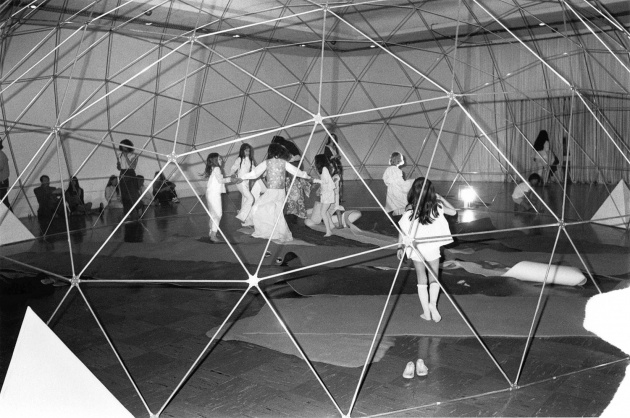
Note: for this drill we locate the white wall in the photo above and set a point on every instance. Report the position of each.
(145, 108)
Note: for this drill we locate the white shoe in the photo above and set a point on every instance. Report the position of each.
(421, 368)
(409, 371)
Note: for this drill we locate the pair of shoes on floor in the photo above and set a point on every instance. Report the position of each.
(419, 368)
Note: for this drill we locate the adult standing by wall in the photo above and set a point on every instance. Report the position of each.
(129, 184)
(543, 157)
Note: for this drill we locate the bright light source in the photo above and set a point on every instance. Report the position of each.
(33, 6)
(303, 45)
(372, 46)
(541, 24)
(467, 195)
(236, 35)
(466, 216)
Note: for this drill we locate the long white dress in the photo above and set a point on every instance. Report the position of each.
(267, 213)
(241, 167)
(397, 189)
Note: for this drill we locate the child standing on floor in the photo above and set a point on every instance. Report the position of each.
(214, 189)
(397, 186)
(425, 219)
(243, 165)
(327, 191)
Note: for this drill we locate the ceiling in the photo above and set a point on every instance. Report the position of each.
(348, 24)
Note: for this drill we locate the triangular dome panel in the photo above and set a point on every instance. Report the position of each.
(44, 366)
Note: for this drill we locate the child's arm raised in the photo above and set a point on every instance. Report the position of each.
(448, 208)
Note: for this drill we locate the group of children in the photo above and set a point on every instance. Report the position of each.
(264, 209)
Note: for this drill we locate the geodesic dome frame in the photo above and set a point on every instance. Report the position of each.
(461, 87)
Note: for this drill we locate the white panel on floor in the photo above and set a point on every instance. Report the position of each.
(617, 204)
(11, 229)
(46, 379)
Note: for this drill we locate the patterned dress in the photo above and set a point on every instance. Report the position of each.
(267, 210)
(299, 192)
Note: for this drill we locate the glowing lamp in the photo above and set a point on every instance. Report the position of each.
(467, 195)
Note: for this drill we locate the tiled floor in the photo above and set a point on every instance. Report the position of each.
(160, 330)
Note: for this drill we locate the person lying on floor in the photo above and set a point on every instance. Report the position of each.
(342, 220)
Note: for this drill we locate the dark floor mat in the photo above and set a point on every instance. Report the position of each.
(376, 221)
(545, 243)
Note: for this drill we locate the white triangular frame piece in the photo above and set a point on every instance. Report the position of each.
(11, 229)
(46, 379)
(617, 204)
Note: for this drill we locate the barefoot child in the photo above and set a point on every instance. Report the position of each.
(216, 186)
(327, 194)
(423, 219)
(243, 165)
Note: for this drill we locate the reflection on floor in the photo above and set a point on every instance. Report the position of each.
(160, 329)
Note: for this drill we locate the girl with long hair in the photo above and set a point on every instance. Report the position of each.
(216, 186)
(327, 191)
(243, 165)
(267, 212)
(112, 193)
(75, 198)
(424, 219)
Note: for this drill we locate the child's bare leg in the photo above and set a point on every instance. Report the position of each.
(326, 218)
(423, 292)
(434, 289)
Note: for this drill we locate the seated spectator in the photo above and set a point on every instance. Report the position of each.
(48, 199)
(75, 198)
(112, 194)
(524, 193)
(164, 190)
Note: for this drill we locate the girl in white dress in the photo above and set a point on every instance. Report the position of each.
(397, 186)
(214, 189)
(242, 166)
(427, 221)
(327, 191)
(267, 213)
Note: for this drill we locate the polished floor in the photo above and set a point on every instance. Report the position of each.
(160, 329)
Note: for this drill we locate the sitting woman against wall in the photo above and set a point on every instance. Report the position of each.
(112, 193)
(75, 198)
